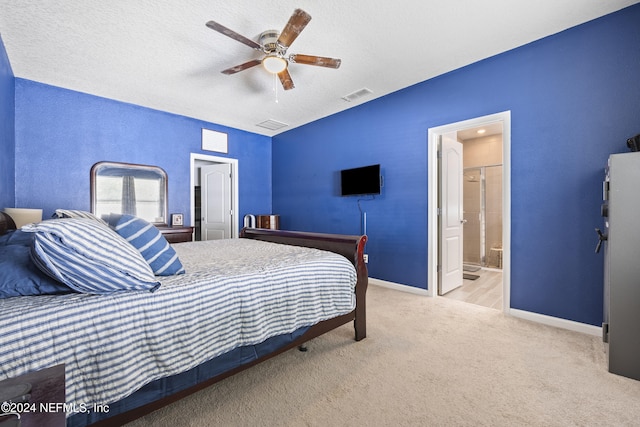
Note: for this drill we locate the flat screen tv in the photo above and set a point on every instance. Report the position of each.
(360, 181)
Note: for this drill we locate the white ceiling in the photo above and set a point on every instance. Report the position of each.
(159, 53)
(479, 132)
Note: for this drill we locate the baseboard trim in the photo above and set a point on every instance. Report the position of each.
(557, 322)
(398, 287)
(527, 315)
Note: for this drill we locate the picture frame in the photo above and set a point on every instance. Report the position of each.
(177, 219)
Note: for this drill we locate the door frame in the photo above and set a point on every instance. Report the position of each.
(234, 186)
(433, 173)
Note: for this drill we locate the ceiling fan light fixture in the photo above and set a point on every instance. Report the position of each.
(274, 64)
(274, 45)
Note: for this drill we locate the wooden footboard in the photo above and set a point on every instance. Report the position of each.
(351, 247)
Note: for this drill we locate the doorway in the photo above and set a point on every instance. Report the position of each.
(495, 243)
(214, 202)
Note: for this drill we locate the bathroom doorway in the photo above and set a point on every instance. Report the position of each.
(486, 209)
(482, 212)
(482, 216)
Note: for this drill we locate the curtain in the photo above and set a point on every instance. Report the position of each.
(129, 195)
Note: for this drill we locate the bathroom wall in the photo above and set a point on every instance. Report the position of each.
(482, 151)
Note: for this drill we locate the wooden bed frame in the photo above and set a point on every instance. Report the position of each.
(351, 247)
(6, 223)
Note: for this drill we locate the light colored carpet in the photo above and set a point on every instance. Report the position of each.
(426, 362)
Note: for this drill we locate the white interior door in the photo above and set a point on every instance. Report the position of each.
(451, 218)
(215, 193)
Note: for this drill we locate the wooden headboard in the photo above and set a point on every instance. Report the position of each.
(6, 223)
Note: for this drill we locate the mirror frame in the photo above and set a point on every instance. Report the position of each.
(97, 167)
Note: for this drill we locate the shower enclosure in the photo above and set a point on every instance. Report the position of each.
(482, 190)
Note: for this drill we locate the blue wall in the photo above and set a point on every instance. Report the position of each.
(7, 133)
(60, 134)
(574, 99)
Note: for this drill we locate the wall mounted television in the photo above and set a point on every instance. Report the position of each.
(360, 181)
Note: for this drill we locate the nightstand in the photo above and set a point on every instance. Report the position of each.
(47, 387)
(177, 234)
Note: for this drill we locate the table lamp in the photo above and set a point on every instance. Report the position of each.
(22, 216)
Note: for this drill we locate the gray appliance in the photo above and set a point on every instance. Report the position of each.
(621, 238)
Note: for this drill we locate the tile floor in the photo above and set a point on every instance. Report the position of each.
(485, 291)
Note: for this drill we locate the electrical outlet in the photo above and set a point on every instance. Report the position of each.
(366, 258)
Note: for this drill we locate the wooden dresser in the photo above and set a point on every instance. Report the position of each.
(177, 234)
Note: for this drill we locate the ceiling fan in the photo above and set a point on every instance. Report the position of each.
(275, 45)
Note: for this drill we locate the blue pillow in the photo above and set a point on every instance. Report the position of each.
(89, 257)
(20, 277)
(153, 246)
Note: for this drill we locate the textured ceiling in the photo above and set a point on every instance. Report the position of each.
(159, 53)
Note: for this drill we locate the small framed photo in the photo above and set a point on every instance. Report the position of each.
(177, 219)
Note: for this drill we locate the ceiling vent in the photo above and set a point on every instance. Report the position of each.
(272, 124)
(357, 94)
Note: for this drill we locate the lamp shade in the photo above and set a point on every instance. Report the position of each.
(22, 216)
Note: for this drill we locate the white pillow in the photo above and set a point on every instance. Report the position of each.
(74, 213)
(89, 257)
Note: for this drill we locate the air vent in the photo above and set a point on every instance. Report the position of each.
(357, 94)
(272, 124)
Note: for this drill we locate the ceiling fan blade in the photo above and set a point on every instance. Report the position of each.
(285, 79)
(232, 34)
(320, 61)
(241, 67)
(294, 27)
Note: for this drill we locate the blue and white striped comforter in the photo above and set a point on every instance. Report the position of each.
(235, 292)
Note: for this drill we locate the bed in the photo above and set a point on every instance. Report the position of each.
(140, 349)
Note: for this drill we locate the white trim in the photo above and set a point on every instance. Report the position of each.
(557, 322)
(432, 199)
(398, 287)
(234, 180)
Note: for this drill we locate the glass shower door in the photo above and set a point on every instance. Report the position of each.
(482, 198)
(493, 216)
(473, 228)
